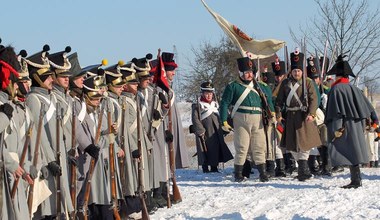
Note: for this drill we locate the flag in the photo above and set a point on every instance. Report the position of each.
(160, 76)
(247, 46)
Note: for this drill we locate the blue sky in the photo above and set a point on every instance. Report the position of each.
(120, 30)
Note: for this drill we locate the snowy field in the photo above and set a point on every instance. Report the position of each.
(216, 196)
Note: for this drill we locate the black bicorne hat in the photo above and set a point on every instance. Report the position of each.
(296, 60)
(341, 67)
(311, 68)
(168, 60)
(207, 86)
(60, 63)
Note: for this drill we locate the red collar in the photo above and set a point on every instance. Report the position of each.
(204, 100)
(341, 80)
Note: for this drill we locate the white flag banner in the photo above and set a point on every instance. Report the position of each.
(247, 46)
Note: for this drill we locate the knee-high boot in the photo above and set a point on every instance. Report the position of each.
(238, 173)
(356, 179)
(326, 162)
(303, 170)
(280, 168)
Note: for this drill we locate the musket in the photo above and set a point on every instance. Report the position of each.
(319, 71)
(202, 138)
(22, 159)
(176, 194)
(112, 164)
(323, 71)
(304, 89)
(58, 159)
(73, 171)
(87, 184)
(140, 190)
(286, 57)
(35, 156)
(122, 146)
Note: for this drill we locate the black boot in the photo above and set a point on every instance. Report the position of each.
(280, 168)
(150, 205)
(205, 169)
(214, 169)
(356, 179)
(311, 162)
(157, 196)
(270, 168)
(247, 169)
(372, 164)
(303, 170)
(326, 162)
(238, 173)
(263, 174)
(290, 164)
(376, 163)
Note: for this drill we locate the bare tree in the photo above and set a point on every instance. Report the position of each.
(353, 27)
(215, 63)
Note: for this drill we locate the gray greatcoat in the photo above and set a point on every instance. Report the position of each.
(347, 107)
(130, 135)
(146, 104)
(82, 140)
(48, 151)
(9, 211)
(99, 184)
(160, 146)
(114, 102)
(298, 134)
(205, 119)
(14, 138)
(179, 142)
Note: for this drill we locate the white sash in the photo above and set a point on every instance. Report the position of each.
(145, 104)
(49, 113)
(248, 88)
(134, 124)
(293, 93)
(68, 110)
(119, 111)
(82, 112)
(208, 109)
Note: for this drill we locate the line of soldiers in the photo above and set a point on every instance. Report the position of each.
(89, 143)
(294, 116)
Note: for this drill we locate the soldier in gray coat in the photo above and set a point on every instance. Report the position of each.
(99, 201)
(211, 148)
(346, 115)
(14, 129)
(179, 143)
(53, 164)
(132, 193)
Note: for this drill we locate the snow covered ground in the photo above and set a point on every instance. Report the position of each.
(216, 196)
